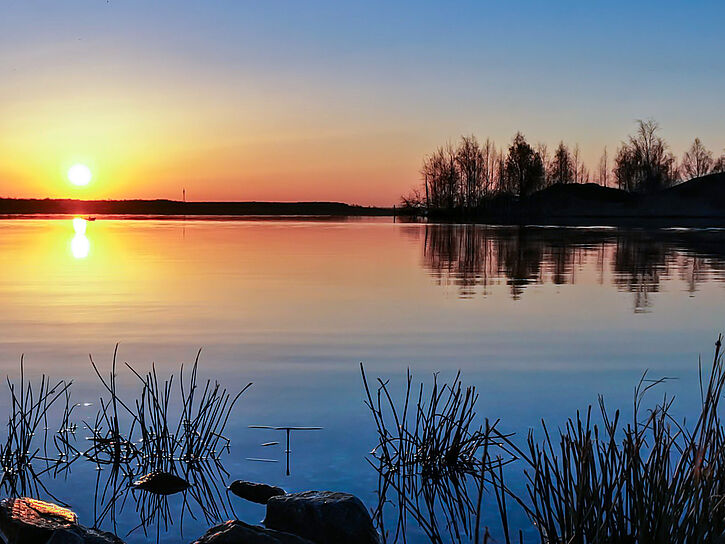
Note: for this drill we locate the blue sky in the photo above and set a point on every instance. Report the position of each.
(379, 82)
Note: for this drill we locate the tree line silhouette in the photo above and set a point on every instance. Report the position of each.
(472, 175)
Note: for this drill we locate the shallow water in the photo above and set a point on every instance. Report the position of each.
(541, 320)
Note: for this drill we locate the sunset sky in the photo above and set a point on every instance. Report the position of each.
(333, 100)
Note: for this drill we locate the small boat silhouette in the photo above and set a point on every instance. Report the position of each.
(90, 218)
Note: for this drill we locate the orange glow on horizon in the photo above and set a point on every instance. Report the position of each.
(141, 148)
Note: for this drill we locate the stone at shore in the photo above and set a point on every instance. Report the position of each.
(161, 483)
(325, 517)
(238, 532)
(259, 493)
(30, 521)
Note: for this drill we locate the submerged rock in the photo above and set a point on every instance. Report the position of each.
(259, 493)
(161, 483)
(30, 521)
(238, 532)
(324, 517)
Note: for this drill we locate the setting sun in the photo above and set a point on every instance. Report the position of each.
(79, 174)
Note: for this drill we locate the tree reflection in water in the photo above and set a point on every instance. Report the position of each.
(474, 258)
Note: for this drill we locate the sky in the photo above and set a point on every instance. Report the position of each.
(330, 100)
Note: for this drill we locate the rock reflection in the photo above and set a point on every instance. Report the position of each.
(474, 258)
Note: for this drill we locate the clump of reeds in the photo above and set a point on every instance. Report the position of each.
(650, 480)
(196, 433)
(597, 480)
(437, 434)
(174, 425)
(434, 457)
(157, 431)
(112, 438)
(24, 457)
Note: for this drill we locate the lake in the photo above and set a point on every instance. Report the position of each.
(540, 320)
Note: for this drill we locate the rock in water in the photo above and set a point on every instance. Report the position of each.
(259, 493)
(161, 483)
(238, 532)
(30, 521)
(324, 517)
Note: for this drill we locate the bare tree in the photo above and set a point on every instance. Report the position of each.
(441, 178)
(719, 164)
(697, 161)
(524, 169)
(500, 185)
(543, 151)
(643, 163)
(604, 168)
(489, 184)
(414, 200)
(470, 164)
(578, 166)
(561, 168)
(673, 169)
(583, 175)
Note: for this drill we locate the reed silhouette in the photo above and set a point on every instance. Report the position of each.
(432, 459)
(172, 427)
(598, 479)
(24, 456)
(187, 442)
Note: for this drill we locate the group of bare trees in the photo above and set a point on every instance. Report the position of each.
(470, 174)
(467, 175)
(566, 166)
(460, 177)
(645, 164)
(698, 161)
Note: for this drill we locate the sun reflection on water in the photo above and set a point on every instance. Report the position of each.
(79, 225)
(80, 246)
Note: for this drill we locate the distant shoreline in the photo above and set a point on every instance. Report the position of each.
(33, 206)
(697, 203)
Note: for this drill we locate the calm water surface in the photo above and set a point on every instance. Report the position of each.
(541, 320)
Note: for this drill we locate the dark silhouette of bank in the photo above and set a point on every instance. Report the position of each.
(697, 202)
